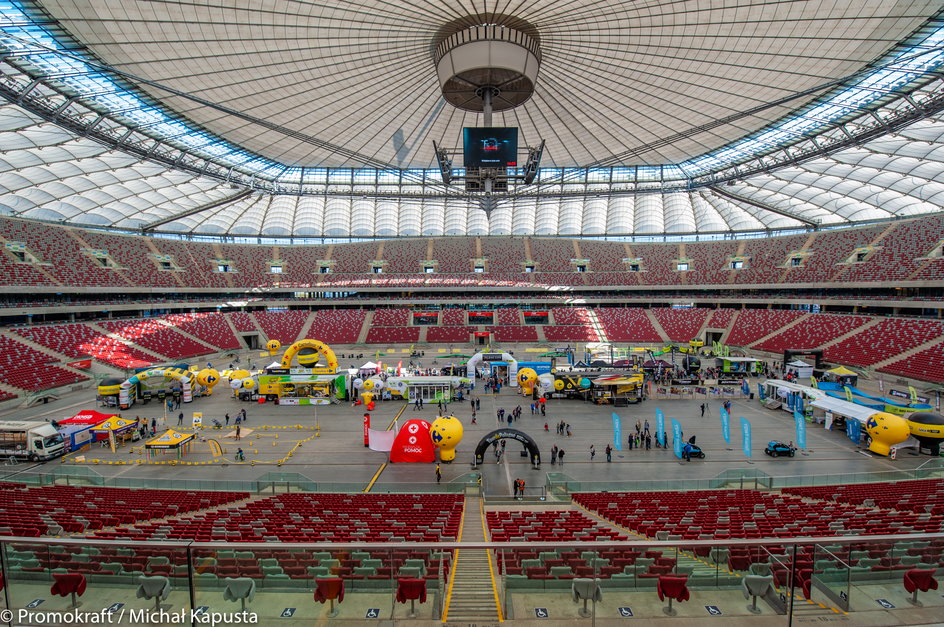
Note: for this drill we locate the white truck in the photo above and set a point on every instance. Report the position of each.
(30, 441)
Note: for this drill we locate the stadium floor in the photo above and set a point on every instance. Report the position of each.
(336, 453)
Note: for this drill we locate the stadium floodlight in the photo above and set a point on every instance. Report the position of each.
(445, 163)
(533, 164)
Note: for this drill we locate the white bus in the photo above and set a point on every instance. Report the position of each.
(32, 441)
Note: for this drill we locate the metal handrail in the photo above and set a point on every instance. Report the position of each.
(439, 546)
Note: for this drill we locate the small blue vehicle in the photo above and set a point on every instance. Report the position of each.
(779, 449)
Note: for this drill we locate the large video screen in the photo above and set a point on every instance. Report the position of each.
(493, 147)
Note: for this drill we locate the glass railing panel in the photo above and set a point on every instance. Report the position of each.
(831, 574)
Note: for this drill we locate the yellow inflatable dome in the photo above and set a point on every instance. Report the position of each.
(273, 346)
(527, 377)
(447, 432)
(886, 430)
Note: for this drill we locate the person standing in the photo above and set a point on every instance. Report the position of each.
(543, 409)
(593, 452)
(438, 473)
(516, 486)
(560, 456)
(473, 416)
(521, 488)
(180, 419)
(553, 454)
(154, 426)
(245, 416)
(237, 431)
(703, 410)
(648, 441)
(227, 420)
(609, 453)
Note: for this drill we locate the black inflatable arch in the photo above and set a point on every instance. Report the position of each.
(508, 434)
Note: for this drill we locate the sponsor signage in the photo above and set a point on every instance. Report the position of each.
(905, 395)
(492, 357)
(82, 364)
(482, 334)
(729, 382)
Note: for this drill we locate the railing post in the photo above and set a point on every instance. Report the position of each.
(792, 575)
(190, 585)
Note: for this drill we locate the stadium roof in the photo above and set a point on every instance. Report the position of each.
(289, 118)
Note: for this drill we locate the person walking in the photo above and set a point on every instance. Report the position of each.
(546, 428)
(245, 416)
(553, 454)
(609, 453)
(416, 404)
(703, 409)
(568, 430)
(560, 456)
(473, 416)
(646, 427)
(631, 440)
(593, 452)
(438, 473)
(648, 441)
(478, 403)
(237, 431)
(180, 419)
(543, 409)
(154, 426)
(227, 420)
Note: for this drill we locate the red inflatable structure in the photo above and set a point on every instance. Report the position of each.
(413, 443)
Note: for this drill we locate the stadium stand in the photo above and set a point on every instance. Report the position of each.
(337, 326)
(552, 255)
(628, 324)
(454, 254)
(813, 331)
(284, 326)
(391, 317)
(448, 335)
(554, 526)
(753, 324)
(79, 340)
(393, 335)
(26, 368)
(721, 318)
(680, 325)
(157, 338)
(886, 339)
(209, 328)
(452, 318)
(242, 321)
(514, 333)
(404, 256)
(925, 365)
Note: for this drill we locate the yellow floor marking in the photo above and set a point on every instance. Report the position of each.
(455, 564)
(376, 476)
(491, 570)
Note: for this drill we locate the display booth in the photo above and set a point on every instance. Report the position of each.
(801, 369)
(500, 364)
(300, 386)
(170, 440)
(147, 382)
(116, 430)
(741, 366)
(618, 390)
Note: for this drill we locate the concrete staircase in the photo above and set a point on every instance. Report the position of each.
(472, 595)
(657, 326)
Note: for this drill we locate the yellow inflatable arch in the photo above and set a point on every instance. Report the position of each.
(332, 361)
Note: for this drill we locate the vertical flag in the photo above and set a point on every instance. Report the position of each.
(800, 429)
(761, 394)
(799, 403)
(791, 399)
(617, 432)
(745, 387)
(914, 394)
(677, 437)
(725, 424)
(746, 436)
(660, 428)
(848, 393)
(813, 382)
(854, 430)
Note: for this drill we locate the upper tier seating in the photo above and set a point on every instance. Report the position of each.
(628, 324)
(284, 326)
(900, 255)
(813, 331)
(156, 337)
(210, 328)
(337, 326)
(886, 339)
(552, 255)
(79, 340)
(680, 325)
(753, 324)
(315, 518)
(454, 254)
(404, 256)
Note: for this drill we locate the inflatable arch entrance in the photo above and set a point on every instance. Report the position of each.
(184, 376)
(474, 361)
(508, 434)
(321, 347)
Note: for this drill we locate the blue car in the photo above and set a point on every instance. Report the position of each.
(779, 449)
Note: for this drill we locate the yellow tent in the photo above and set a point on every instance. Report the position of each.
(842, 371)
(170, 440)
